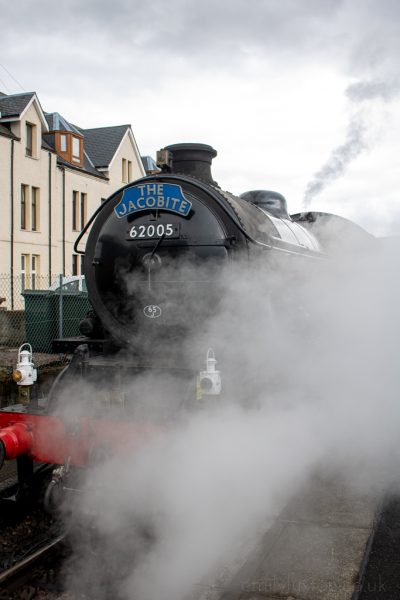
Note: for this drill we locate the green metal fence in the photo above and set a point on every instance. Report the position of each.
(37, 310)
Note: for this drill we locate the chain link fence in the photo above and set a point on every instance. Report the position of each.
(38, 309)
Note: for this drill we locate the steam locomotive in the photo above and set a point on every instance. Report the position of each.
(154, 253)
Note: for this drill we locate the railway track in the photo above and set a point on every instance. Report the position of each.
(19, 574)
(29, 536)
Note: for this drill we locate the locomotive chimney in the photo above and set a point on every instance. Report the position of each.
(191, 159)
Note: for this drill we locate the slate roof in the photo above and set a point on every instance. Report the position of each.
(47, 146)
(5, 131)
(102, 143)
(149, 164)
(57, 123)
(87, 166)
(14, 105)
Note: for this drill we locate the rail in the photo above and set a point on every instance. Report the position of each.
(10, 576)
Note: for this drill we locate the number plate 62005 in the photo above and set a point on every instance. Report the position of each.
(149, 232)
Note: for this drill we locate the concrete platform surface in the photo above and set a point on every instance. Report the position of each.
(314, 550)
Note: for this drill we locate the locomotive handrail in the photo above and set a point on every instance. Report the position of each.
(196, 183)
(88, 224)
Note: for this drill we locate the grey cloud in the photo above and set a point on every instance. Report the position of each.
(371, 90)
(373, 60)
(376, 41)
(360, 32)
(122, 38)
(123, 48)
(182, 26)
(110, 49)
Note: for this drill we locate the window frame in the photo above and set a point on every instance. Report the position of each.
(76, 157)
(35, 208)
(30, 139)
(83, 209)
(35, 270)
(24, 221)
(75, 264)
(75, 206)
(25, 261)
(63, 141)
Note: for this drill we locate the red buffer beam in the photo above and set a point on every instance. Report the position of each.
(49, 439)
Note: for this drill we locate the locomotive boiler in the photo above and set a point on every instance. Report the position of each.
(154, 255)
(156, 247)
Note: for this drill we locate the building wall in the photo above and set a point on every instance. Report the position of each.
(50, 244)
(33, 172)
(127, 151)
(5, 176)
(94, 190)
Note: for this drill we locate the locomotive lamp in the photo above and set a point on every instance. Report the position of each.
(210, 379)
(25, 374)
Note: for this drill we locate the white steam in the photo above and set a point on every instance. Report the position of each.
(309, 358)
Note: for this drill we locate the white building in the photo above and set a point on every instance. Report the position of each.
(53, 175)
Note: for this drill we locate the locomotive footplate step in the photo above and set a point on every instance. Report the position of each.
(314, 550)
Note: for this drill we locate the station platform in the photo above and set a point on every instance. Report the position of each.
(316, 549)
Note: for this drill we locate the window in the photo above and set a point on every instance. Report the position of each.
(76, 149)
(79, 210)
(30, 271)
(35, 270)
(35, 209)
(30, 208)
(75, 258)
(30, 140)
(124, 170)
(75, 199)
(129, 171)
(69, 146)
(78, 265)
(83, 210)
(24, 206)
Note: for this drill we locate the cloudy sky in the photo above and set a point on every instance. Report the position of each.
(299, 96)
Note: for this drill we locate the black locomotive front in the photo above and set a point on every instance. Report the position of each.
(157, 257)
(158, 247)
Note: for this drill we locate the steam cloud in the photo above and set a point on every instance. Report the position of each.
(362, 95)
(340, 158)
(308, 354)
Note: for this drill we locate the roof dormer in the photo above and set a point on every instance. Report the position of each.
(69, 146)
